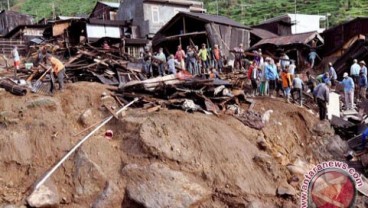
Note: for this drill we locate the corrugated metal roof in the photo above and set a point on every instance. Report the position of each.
(111, 4)
(302, 38)
(216, 19)
(263, 34)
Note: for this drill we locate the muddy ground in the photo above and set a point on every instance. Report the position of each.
(168, 158)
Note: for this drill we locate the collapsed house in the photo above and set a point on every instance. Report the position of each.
(296, 46)
(187, 28)
(346, 42)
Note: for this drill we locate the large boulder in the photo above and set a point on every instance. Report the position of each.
(88, 178)
(157, 186)
(45, 196)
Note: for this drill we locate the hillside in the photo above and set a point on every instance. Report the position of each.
(249, 12)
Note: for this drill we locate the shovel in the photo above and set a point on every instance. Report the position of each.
(38, 83)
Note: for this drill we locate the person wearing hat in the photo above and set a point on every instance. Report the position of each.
(362, 86)
(332, 73)
(363, 68)
(349, 87)
(354, 71)
(322, 95)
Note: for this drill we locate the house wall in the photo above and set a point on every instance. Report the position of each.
(102, 11)
(306, 23)
(165, 13)
(142, 14)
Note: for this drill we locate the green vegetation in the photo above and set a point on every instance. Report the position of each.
(249, 12)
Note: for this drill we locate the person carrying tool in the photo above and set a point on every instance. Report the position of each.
(58, 70)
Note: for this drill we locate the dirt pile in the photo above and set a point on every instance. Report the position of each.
(157, 159)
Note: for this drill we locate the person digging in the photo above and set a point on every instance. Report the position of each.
(57, 71)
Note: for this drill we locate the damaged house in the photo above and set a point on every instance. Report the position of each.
(296, 46)
(346, 42)
(187, 28)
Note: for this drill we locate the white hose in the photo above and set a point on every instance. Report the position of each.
(79, 144)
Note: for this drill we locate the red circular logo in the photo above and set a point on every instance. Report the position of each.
(332, 188)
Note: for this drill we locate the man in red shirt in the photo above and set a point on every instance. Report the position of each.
(217, 56)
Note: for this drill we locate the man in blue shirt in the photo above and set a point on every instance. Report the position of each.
(271, 75)
(312, 57)
(354, 71)
(349, 87)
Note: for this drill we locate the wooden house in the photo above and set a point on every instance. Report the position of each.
(188, 28)
(10, 19)
(150, 15)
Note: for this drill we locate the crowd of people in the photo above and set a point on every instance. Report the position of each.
(203, 60)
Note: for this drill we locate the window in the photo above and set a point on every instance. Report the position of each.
(155, 15)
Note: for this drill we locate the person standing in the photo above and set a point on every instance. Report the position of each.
(321, 93)
(252, 76)
(147, 57)
(16, 59)
(284, 61)
(332, 73)
(203, 55)
(292, 68)
(286, 84)
(363, 68)
(162, 58)
(349, 87)
(171, 64)
(362, 86)
(217, 57)
(298, 87)
(239, 51)
(354, 71)
(180, 57)
(192, 61)
(57, 70)
(271, 77)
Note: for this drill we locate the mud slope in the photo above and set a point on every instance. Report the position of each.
(163, 159)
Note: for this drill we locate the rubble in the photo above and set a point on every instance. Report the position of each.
(45, 196)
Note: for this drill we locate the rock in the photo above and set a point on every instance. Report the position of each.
(289, 204)
(111, 196)
(266, 116)
(42, 102)
(260, 204)
(88, 178)
(158, 186)
(337, 147)
(86, 118)
(45, 196)
(323, 128)
(262, 144)
(286, 189)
